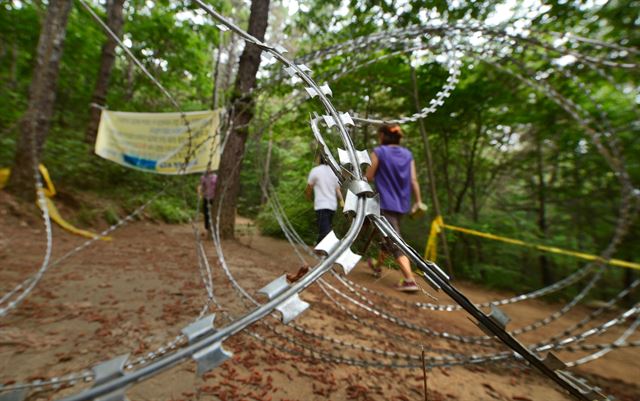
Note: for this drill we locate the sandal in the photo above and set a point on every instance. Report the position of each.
(373, 265)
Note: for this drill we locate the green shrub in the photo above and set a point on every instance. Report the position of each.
(110, 215)
(169, 210)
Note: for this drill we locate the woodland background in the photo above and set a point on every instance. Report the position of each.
(506, 161)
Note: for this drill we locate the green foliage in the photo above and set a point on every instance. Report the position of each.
(503, 152)
(170, 210)
(110, 215)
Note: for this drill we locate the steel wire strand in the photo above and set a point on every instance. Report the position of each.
(30, 283)
(575, 111)
(597, 104)
(442, 361)
(204, 271)
(419, 30)
(604, 129)
(596, 313)
(205, 274)
(592, 347)
(280, 217)
(439, 280)
(601, 149)
(538, 324)
(287, 229)
(244, 294)
(316, 355)
(601, 110)
(451, 307)
(526, 40)
(433, 361)
(86, 375)
(602, 352)
(622, 172)
(590, 317)
(42, 203)
(537, 43)
(473, 359)
(259, 312)
(221, 334)
(570, 36)
(246, 297)
(380, 313)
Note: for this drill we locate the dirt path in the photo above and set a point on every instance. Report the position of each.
(134, 294)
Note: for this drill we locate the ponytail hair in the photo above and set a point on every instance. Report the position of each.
(391, 134)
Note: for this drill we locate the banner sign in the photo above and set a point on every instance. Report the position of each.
(160, 142)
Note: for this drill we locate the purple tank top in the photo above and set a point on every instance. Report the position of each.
(393, 178)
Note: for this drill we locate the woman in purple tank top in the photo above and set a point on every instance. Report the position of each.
(394, 172)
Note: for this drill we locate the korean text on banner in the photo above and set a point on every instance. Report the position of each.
(160, 142)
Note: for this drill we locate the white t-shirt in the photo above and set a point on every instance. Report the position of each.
(325, 184)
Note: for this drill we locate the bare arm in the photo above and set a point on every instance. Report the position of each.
(414, 183)
(371, 171)
(308, 192)
(339, 196)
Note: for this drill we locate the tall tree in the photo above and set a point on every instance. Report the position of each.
(242, 113)
(545, 267)
(35, 123)
(115, 21)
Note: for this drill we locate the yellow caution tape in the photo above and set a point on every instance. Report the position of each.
(431, 251)
(55, 216)
(4, 176)
(49, 189)
(49, 192)
(438, 224)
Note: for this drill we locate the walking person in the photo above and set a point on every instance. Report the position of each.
(394, 172)
(324, 186)
(206, 191)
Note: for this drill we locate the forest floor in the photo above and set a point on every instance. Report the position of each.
(134, 294)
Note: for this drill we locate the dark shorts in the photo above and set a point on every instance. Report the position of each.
(387, 245)
(324, 217)
(206, 210)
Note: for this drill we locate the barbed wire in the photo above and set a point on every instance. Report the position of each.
(265, 309)
(370, 306)
(432, 361)
(289, 235)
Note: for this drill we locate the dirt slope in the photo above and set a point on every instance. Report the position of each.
(134, 294)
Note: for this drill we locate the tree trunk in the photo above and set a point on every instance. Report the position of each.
(545, 268)
(13, 83)
(265, 174)
(216, 74)
(34, 125)
(242, 113)
(445, 170)
(115, 21)
(231, 55)
(470, 167)
(432, 177)
(130, 80)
